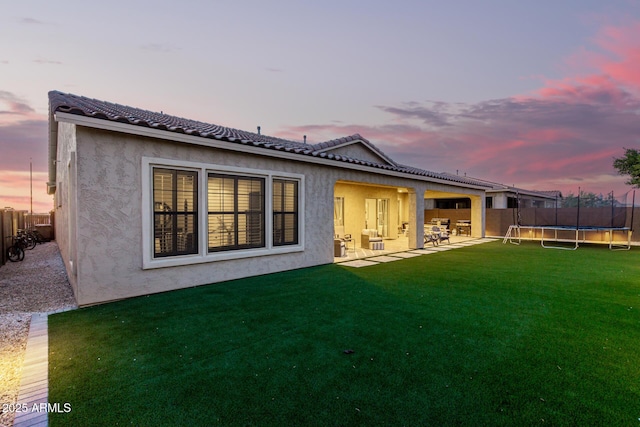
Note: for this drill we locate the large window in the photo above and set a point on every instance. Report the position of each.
(285, 212)
(175, 212)
(236, 212)
(463, 203)
(195, 212)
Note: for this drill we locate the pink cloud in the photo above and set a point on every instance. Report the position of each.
(10, 104)
(563, 135)
(624, 45)
(615, 65)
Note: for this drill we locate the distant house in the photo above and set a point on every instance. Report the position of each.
(501, 196)
(147, 202)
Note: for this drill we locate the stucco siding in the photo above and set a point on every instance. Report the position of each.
(66, 146)
(110, 218)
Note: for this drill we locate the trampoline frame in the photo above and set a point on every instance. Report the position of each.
(515, 233)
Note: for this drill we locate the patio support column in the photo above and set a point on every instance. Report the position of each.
(416, 219)
(478, 215)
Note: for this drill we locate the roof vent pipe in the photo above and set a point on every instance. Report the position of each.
(258, 130)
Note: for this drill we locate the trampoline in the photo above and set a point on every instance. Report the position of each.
(557, 233)
(572, 235)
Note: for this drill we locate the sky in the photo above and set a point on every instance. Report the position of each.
(542, 95)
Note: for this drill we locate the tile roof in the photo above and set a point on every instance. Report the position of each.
(550, 193)
(327, 145)
(83, 106)
(496, 186)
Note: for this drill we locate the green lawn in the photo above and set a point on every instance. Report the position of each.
(487, 335)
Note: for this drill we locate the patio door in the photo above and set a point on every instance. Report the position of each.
(377, 215)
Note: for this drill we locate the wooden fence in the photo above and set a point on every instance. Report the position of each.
(11, 221)
(497, 221)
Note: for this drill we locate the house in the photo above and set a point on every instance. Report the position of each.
(501, 196)
(148, 202)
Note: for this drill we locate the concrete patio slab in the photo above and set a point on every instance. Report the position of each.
(384, 258)
(405, 254)
(423, 251)
(358, 263)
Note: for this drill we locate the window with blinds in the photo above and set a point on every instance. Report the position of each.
(175, 212)
(285, 212)
(236, 218)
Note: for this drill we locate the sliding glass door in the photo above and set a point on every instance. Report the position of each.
(377, 215)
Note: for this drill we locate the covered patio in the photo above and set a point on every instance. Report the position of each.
(393, 217)
(392, 246)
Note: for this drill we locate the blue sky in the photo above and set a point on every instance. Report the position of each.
(538, 94)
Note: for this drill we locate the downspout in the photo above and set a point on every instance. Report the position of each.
(53, 152)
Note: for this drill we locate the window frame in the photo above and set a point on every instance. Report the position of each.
(338, 211)
(281, 214)
(175, 214)
(203, 255)
(236, 212)
(488, 204)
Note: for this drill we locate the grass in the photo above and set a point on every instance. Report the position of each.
(487, 335)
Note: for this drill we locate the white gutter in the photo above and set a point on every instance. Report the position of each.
(53, 154)
(231, 146)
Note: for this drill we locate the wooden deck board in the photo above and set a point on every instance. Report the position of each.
(34, 384)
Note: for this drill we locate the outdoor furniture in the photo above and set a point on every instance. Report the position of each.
(404, 229)
(349, 239)
(463, 226)
(376, 246)
(441, 234)
(441, 222)
(430, 237)
(371, 240)
(338, 248)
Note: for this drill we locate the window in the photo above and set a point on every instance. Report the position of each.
(489, 202)
(285, 212)
(338, 211)
(195, 212)
(236, 212)
(175, 204)
(453, 203)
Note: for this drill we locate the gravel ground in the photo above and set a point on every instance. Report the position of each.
(38, 284)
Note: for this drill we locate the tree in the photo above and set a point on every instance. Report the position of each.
(629, 165)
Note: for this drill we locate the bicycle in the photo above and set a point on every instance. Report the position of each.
(39, 238)
(15, 252)
(29, 239)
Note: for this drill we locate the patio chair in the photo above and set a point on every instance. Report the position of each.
(430, 237)
(441, 234)
(348, 239)
(370, 240)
